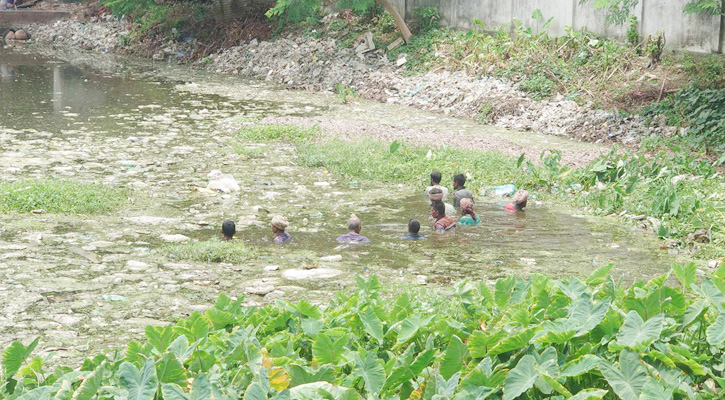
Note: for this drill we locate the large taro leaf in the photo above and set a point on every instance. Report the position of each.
(580, 366)
(716, 331)
(255, 391)
(453, 360)
(201, 388)
(160, 337)
(711, 292)
(479, 343)
(88, 389)
(141, 385)
(14, 357)
(572, 287)
(372, 324)
(521, 378)
(325, 351)
(687, 275)
(653, 390)
(628, 379)
(515, 342)
(589, 394)
(300, 375)
(599, 275)
(411, 325)
(586, 316)
(170, 370)
(41, 393)
(694, 312)
(371, 371)
(322, 390)
(172, 391)
(635, 331)
(405, 373)
(556, 332)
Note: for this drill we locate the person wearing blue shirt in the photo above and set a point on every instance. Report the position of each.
(413, 229)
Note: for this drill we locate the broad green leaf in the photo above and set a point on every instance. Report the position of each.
(479, 343)
(170, 370)
(716, 331)
(255, 391)
(712, 293)
(694, 312)
(580, 366)
(411, 325)
(179, 347)
(88, 389)
(556, 332)
(308, 310)
(311, 326)
(405, 373)
(599, 275)
(14, 357)
(661, 357)
(653, 390)
(371, 371)
(173, 391)
(315, 390)
(300, 375)
(453, 360)
(553, 383)
(586, 316)
(141, 385)
(589, 394)
(627, 380)
(687, 275)
(160, 337)
(635, 331)
(278, 378)
(572, 287)
(201, 388)
(220, 319)
(41, 393)
(394, 146)
(515, 342)
(373, 325)
(327, 352)
(521, 378)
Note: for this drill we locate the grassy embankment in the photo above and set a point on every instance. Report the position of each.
(674, 193)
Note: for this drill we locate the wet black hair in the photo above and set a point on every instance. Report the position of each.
(436, 177)
(460, 179)
(413, 226)
(440, 207)
(228, 228)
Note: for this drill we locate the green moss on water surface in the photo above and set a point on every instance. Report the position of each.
(59, 197)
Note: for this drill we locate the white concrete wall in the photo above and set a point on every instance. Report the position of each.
(695, 33)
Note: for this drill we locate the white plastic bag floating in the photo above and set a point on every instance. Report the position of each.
(220, 182)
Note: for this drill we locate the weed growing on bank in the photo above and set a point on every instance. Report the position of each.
(277, 132)
(536, 339)
(59, 197)
(212, 251)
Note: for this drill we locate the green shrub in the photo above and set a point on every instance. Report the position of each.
(426, 18)
(538, 86)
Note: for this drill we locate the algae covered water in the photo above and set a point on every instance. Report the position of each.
(94, 281)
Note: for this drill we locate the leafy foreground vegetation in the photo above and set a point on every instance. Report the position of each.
(518, 339)
(213, 251)
(59, 197)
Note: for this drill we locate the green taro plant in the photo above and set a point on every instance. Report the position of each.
(531, 339)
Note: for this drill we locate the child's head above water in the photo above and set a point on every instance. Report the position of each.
(228, 229)
(413, 226)
(520, 199)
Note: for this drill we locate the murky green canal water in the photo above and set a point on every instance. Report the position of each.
(159, 132)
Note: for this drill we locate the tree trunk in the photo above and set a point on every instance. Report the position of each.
(399, 21)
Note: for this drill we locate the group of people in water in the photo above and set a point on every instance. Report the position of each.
(442, 212)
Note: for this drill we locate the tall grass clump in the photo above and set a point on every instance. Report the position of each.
(59, 197)
(212, 251)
